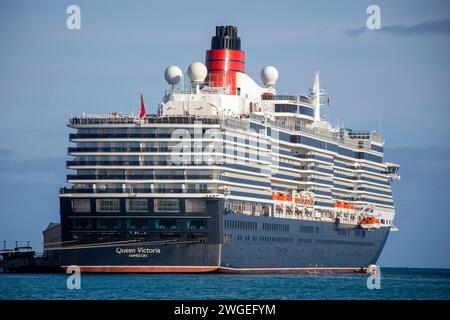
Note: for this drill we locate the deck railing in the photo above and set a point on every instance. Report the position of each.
(225, 122)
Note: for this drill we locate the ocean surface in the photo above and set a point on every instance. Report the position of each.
(396, 283)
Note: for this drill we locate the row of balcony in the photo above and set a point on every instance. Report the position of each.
(118, 135)
(125, 163)
(138, 177)
(119, 149)
(66, 190)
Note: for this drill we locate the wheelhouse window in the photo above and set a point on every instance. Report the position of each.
(108, 205)
(81, 205)
(137, 205)
(166, 224)
(167, 205)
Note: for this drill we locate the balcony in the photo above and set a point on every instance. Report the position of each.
(72, 163)
(137, 190)
(117, 135)
(139, 177)
(119, 149)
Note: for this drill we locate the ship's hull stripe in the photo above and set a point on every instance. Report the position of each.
(206, 269)
(147, 269)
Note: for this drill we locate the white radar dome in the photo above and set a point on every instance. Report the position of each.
(197, 72)
(269, 75)
(173, 74)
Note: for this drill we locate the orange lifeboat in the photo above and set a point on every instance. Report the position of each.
(342, 204)
(369, 223)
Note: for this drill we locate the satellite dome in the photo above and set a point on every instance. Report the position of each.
(173, 74)
(269, 75)
(197, 72)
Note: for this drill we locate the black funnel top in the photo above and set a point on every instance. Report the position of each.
(226, 38)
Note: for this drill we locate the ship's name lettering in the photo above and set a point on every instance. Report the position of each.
(120, 250)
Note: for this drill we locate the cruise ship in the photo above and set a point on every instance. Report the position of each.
(227, 176)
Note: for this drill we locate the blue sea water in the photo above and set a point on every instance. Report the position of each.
(396, 283)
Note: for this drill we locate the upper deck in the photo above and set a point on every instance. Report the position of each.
(358, 140)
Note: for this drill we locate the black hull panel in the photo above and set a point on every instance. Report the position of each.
(132, 258)
(326, 247)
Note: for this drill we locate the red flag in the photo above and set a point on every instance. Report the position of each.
(142, 114)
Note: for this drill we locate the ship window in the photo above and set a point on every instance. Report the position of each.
(81, 205)
(137, 205)
(227, 238)
(196, 224)
(80, 224)
(195, 205)
(166, 224)
(376, 148)
(108, 205)
(167, 205)
(133, 224)
(108, 224)
(86, 172)
(286, 108)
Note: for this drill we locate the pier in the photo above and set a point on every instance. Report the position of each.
(24, 259)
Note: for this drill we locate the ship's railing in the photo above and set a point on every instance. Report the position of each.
(139, 177)
(115, 118)
(71, 163)
(210, 88)
(230, 122)
(334, 136)
(291, 98)
(234, 123)
(110, 118)
(118, 149)
(119, 135)
(128, 190)
(314, 132)
(376, 136)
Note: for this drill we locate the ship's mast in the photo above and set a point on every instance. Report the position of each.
(316, 96)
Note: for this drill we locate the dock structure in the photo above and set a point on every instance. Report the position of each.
(24, 259)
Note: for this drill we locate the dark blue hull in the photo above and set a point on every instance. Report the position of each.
(303, 244)
(232, 243)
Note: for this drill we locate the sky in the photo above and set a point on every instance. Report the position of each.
(395, 79)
